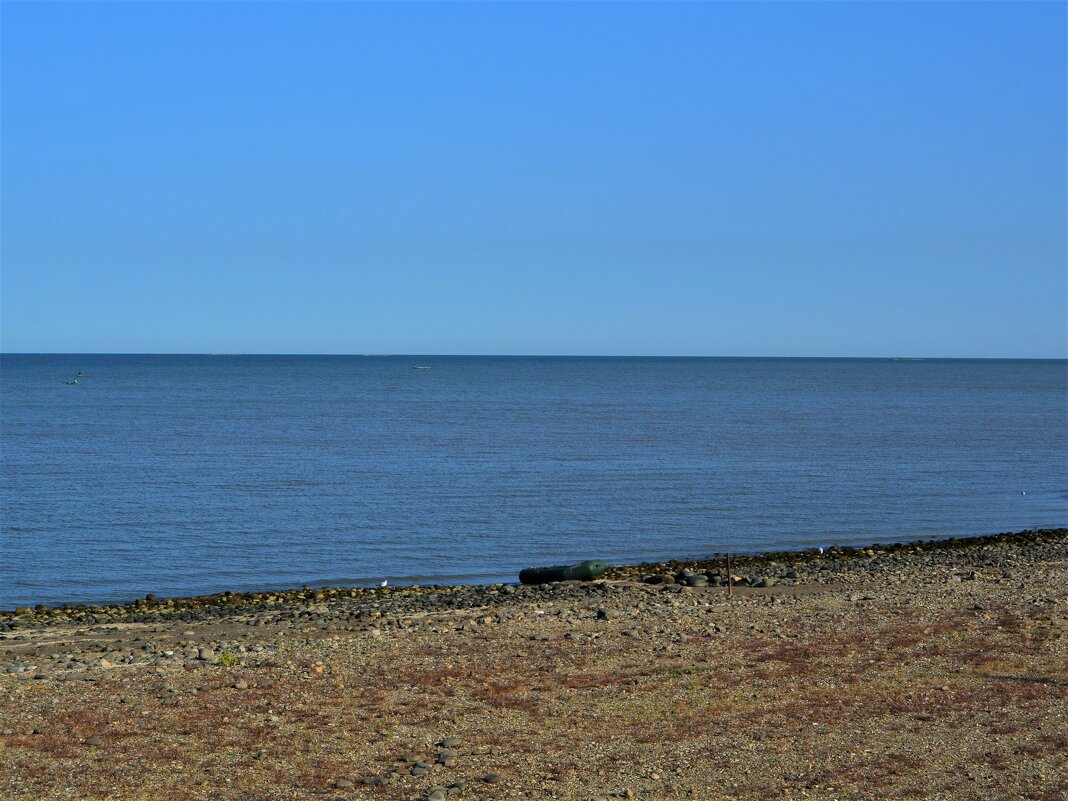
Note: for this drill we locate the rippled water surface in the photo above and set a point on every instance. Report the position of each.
(194, 474)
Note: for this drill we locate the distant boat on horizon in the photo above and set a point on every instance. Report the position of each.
(422, 367)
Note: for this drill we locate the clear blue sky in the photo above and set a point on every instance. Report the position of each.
(696, 179)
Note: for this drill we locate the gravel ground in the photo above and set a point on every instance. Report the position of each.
(928, 670)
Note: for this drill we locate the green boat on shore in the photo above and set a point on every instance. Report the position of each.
(583, 571)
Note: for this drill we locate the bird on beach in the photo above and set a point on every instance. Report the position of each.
(384, 583)
(819, 550)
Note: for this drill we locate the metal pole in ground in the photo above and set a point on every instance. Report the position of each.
(730, 577)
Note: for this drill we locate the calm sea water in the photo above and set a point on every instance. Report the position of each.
(195, 474)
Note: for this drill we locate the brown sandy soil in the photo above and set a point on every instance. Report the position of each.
(926, 677)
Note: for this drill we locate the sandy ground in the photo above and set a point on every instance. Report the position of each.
(872, 675)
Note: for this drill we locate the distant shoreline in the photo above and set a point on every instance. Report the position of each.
(891, 358)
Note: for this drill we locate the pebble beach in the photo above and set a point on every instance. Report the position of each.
(914, 670)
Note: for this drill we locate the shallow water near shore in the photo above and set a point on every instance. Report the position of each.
(182, 475)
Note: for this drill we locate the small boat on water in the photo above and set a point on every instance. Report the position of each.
(422, 367)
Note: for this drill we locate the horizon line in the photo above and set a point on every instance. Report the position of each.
(898, 357)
